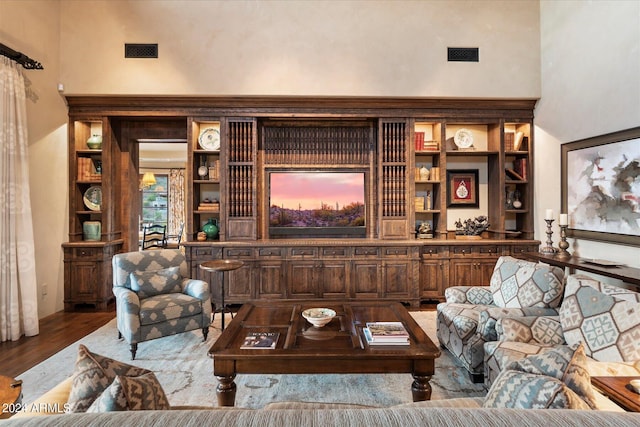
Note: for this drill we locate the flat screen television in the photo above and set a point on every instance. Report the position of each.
(317, 204)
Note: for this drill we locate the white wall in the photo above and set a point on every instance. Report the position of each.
(590, 86)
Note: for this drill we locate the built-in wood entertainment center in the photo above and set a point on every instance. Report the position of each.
(388, 143)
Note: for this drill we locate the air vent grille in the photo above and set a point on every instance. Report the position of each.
(141, 50)
(463, 54)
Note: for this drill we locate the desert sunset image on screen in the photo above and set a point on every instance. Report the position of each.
(317, 199)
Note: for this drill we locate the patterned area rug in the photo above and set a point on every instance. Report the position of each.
(185, 372)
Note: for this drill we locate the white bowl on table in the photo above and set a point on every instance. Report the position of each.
(318, 317)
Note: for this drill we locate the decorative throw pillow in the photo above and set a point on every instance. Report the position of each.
(606, 318)
(517, 283)
(562, 363)
(132, 394)
(521, 390)
(150, 283)
(92, 375)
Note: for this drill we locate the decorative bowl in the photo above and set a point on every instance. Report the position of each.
(635, 384)
(318, 317)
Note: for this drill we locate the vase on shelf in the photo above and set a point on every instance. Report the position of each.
(211, 229)
(517, 204)
(94, 142)
(91, 231)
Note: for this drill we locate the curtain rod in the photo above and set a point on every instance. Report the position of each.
(20, 58)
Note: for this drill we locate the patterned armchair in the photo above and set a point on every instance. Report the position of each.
(604, 318)
(468, 318)
(154, 297)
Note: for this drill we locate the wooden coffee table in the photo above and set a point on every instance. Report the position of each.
(337, 348)
(10, 396)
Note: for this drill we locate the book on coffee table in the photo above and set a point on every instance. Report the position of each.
(371, 341)
(387, 332)
(260, 340)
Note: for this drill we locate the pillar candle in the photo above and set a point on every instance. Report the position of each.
(549, 214)
(564, 219)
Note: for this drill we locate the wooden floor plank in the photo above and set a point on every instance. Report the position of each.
(57, 331)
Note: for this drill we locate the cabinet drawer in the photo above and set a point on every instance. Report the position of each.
(270, 252)
(395, 251)
(366, 252)
(238, 253)
(490, 250)
(303, 252)
(337, 252)
(87, 253)
(434, 251)
(206, 253)
(479, 250)
(523, 249)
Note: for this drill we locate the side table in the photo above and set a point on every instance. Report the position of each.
(618, 390)
(221, 265)
(10, 396)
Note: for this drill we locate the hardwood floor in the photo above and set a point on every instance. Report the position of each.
(56, 332)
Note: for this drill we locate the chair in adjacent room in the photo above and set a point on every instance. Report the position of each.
(155, 298)
(173, 240)
(154, 236)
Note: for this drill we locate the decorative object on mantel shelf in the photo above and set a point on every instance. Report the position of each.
(211, 229)
(471, 229)
(549, 249)
(94, 142)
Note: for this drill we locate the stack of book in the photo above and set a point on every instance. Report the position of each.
(260, 340)
(206, 205)
(386, 333)
(520, 166)
(89, 169)
(429, 146)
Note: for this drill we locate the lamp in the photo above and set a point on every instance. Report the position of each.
(148, 179)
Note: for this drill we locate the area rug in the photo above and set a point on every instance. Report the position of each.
(186, 373)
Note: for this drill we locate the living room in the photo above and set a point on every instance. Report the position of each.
(558, 53)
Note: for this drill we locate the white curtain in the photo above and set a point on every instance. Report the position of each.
(176, 201)
(18, 290)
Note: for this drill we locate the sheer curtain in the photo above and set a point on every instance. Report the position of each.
(18, 289)
(176, 201)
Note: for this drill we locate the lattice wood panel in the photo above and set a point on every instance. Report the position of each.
(394, 169)
(241, 173)
(317, 145)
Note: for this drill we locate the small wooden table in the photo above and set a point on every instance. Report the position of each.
(221, 265)
(10, 396)
(617, 389)
(337, 348)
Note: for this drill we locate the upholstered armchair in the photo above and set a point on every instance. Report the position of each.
(468, 317)
(155, 298)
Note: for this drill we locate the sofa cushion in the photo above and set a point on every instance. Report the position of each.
(517, 283)
(92, 375)
(606, 318)
(132, 394)
(516, 389)
(149, 283)
(562, 363)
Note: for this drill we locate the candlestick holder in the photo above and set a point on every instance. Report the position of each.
(563, 244)
(549, 249)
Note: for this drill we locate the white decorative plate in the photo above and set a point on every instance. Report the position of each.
(209, 139)
(463, 138)
(92, 198)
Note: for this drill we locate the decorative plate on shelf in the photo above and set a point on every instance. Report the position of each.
(209, 139)
(463, 138)
(93, 198)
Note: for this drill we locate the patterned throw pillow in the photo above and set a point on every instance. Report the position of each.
(92, 375)
(521, 390)
(517, 283)
(562, 363)
(150, 283)
(606, 318)
(132, 394)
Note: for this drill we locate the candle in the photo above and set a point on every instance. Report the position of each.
(549, 214)
(564, 219)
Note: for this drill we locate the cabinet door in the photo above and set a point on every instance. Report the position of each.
(239, 288)
(397, 278)
(463, 273)
(302, 279)
(269, 280)
(333, 279)
(365, 279)
(84, 280)
(485, 270)
(434, 276)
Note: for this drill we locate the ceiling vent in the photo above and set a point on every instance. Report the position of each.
(141, 50)
(463, 54)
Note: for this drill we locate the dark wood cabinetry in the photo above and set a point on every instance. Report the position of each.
(235, 144)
